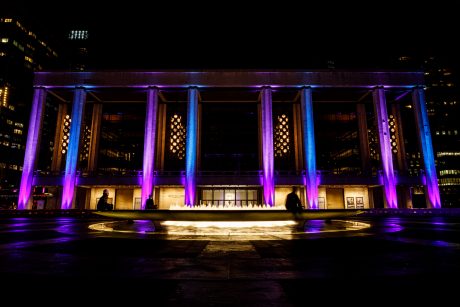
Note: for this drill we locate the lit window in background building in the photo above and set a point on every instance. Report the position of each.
(177, 137)
(78, 34)
(447, 153)
(5, 40)
(4, 96)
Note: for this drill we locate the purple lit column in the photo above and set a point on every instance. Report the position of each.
(191, 147)
(70, 174)
(424, 134)
(149, 144)
(308, 125)
(268, 180)
(389, 182)
(32, 146)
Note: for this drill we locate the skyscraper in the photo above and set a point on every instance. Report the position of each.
(21, 53)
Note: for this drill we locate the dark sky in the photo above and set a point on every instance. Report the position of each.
(226, 34)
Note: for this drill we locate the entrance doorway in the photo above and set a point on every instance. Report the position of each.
(221, 197)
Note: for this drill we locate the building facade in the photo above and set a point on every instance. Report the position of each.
(21, 53)
(442, 96)
(229, 139)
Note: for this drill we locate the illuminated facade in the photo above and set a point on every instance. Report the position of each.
(21, 53)
(443, 105)
(229, 139)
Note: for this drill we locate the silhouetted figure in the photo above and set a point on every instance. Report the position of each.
(102, 204)
(149, 203)
(293, 202)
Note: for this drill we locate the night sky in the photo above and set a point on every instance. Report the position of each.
(229, 35)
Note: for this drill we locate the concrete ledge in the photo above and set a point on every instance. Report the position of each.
(447, 212)
(230, 215)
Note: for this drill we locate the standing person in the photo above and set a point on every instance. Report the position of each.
(293, 203)
(149, 203)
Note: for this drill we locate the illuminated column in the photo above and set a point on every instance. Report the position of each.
(149, 144)
(268, 160)
(424, 135)
(32, 147)
(191, 147)
(70, 175)
(96, 120)
(363, 138)
(308, 125)
(389, 182)
(59, 133)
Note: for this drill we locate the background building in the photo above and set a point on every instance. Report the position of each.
(21, 53)
(442, 98)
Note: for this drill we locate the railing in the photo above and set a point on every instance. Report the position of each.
(278, 173)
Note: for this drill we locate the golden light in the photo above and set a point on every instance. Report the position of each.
(216, 224)
(281, 141)
(177, 137)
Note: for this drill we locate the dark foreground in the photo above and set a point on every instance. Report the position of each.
(58, 261)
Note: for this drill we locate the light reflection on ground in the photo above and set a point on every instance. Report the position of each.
(259, 230)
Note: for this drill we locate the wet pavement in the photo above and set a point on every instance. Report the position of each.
(387, 260)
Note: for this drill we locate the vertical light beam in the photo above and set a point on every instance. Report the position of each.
(389, 182)
(424, 134)
(32, 145)
(70, 174)
(149, 144)
(191, 147)
(311, 179)
(268, 180)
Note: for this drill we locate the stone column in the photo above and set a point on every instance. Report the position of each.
(161, 136)
(191, 147)
(426, 146)
(149, 145)
(404, 194)
(386, 157)
(308, 128)
(59, 133)
(268, 158)
(32, 147)
(96, 121)
(298, 145)
(70, 176)
(363, 138)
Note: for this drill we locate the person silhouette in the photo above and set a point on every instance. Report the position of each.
(149, 203)
(102, 204)
(293, 203)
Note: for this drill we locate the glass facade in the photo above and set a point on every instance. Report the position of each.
(122, 139)
(337, 139)
(229, 137)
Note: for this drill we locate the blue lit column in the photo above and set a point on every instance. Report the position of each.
(191, 147)
(268, 160)
(149, 144)
(70, 174)
(424, 134)
(386, 156)
(308, 128)
(32, 146)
